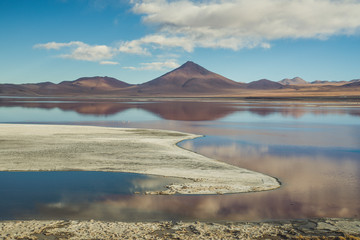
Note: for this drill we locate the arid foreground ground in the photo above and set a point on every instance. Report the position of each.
(294, 229)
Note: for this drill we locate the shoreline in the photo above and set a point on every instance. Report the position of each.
(325, 228)
(144, 151)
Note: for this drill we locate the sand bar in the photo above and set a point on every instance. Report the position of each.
(145, 151)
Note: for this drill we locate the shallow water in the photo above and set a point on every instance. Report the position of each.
(312, 148)
(67, 194)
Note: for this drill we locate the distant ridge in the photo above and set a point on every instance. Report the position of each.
(319, 82)
(86, 85)
(264, 84)
(352, 84)
(355, 80)
(293, 81)
(330, 82)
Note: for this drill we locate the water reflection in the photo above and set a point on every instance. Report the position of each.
(27, 195)
(182, 111)
(314, 149)
(313, 187)
(318, 182)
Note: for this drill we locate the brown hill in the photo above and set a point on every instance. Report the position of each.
(96, 83)
(264, 84)
(190, 77)
(85, 85)
(15, 90)
(89, 85)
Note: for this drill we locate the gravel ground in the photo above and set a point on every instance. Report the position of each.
(292, 229)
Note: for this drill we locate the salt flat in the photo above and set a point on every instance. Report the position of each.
(145, 151)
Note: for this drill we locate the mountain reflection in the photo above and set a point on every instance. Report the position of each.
(317, 161)
(178, 110)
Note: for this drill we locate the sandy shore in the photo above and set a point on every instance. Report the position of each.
(293, 229)
(64, 148)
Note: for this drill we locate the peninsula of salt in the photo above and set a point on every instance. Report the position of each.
(146, 151)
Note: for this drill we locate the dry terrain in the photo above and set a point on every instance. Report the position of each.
(339, 229)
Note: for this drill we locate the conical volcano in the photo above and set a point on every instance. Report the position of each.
(189, 77)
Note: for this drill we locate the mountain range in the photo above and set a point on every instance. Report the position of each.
(190, 79)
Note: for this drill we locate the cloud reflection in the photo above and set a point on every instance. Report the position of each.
(312, 187)
(316, 183)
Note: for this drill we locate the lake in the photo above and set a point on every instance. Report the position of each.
(312, 148)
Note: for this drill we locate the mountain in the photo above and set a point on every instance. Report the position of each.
(338, 83)
(293, 81)
(319, 82)
(264, 84)
(352, 84)
(189, 80)
(190, 77)
(91, 84)
(15, 90)
(95, 83)
(355, 80)
(85, 85)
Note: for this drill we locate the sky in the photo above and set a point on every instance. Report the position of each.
(138, 40)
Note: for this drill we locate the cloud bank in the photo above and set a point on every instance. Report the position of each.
(236, 24)
(225, 24)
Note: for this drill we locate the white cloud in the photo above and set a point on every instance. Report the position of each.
(228, 24)
(133, 47)
(167, 41)
(159, 66)
(108, 63)
(140, 46)
(130, 68)
(156, 66)
(237, 24)
(168, 55)
(91, 53)
(81, 51)
(103, 54)
(57, 46)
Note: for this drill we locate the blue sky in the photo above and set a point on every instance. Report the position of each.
(138, 40)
